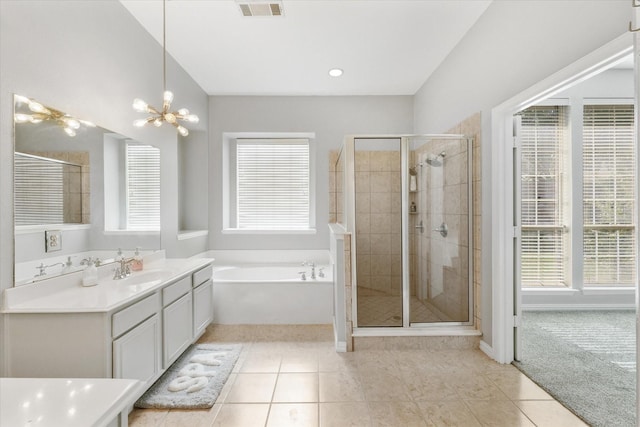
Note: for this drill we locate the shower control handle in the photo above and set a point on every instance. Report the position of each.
(420, 227)
(443, 230)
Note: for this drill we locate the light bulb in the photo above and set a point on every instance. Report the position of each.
(168, 96)
(183, 131)
(140, 123)
(192, 118)
(72, 123)
(140, 106)
(157, 122)
(21, 99)
(22, 118)
(70, 131)
(183, 111)
(36, 107)
(335, 72)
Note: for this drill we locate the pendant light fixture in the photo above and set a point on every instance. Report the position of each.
(39, 113)
(157, 117)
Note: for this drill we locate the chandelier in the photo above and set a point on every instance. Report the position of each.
(39, 113)
(158, 116)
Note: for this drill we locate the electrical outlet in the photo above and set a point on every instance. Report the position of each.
(52, 240)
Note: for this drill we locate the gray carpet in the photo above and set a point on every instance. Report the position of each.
(194, 380)
(586, 360)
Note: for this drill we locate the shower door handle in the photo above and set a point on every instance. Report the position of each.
(420, 227)
(443, 230)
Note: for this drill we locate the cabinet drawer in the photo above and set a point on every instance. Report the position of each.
(126, 319)
(175, 290)
(202, 275)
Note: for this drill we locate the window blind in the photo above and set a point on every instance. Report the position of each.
(608, 193)
(39, 190)
(143, 187)
(272, 186)
(543, 136)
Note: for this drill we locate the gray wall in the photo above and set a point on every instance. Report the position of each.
(330, 118)
(514, 45)
(91, 59)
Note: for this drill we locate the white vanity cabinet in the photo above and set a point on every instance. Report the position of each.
(137, 344)
(133, 334)
(202, 300)
(177, 313)
(137, 354)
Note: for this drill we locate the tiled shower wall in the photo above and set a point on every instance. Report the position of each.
(442, 272)
(378, 220)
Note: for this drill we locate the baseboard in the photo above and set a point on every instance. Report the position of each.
(576, 307)
(487, 349)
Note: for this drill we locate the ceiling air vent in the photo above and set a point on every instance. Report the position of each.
(261, 8)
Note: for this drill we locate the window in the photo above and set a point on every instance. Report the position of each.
(608, 193)
(273, 184)
(142, 187)
(601, 215)
(543, 136)
(39, 190)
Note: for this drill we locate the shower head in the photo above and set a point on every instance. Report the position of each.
(436, 161)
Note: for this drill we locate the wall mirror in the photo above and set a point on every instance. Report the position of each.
(80, 192)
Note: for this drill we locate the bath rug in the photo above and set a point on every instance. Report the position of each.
(194, 380)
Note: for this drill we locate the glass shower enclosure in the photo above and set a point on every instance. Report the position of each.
(408, 204)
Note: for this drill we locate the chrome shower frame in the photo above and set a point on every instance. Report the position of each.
(408, 328)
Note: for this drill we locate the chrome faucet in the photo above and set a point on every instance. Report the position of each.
(313, 268)
(42, 269)
(123, 270)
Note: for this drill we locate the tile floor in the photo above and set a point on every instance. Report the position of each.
(293, 377)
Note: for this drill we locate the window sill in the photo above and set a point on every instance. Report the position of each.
(131, 232)
(191, 234)
(27, 229)
(249, 232)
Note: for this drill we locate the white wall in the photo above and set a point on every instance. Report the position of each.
(91, 59)
(330, 118)
(514, 45)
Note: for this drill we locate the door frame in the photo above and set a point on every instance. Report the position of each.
(503, 263)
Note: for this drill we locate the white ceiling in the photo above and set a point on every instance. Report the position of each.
(385, 47)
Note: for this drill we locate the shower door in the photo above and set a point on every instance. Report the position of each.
(439, 232)
(378, 230)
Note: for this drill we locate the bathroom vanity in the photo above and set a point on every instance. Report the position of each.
(132, 328)
(66, 402)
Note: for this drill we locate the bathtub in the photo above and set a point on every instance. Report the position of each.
(273, 293)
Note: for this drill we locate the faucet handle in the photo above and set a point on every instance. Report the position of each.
(321, 272)
(304, 275)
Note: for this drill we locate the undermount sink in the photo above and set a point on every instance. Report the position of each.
(146, 277)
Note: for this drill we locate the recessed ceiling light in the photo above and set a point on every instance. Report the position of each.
(335, 72)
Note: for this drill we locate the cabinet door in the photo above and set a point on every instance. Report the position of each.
(177, 328)
(202, 307)
(136, 354)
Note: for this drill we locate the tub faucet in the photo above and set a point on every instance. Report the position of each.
(312, 264)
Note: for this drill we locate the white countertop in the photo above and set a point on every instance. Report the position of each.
(66, 295)
(55, 402)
